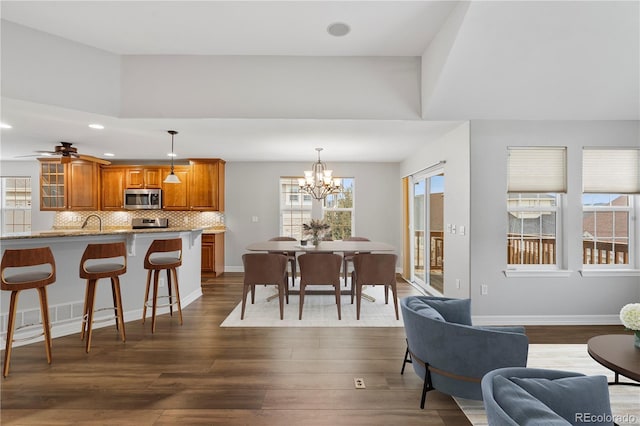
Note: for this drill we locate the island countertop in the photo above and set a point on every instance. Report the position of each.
(76, 232)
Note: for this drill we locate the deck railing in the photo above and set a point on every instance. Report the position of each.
(542, 251)
(437, 250)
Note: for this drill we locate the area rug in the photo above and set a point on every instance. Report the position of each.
(318, 311)
(625, 400)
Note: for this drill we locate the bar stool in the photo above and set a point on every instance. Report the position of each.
(92, 269)
(17, 280)
(156, 264)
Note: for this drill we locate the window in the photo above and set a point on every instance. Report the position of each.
(295, 208)
(610, 183)
(16, 204)
(536, 184)
(338, 211)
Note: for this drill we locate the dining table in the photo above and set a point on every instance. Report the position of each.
(333, 246)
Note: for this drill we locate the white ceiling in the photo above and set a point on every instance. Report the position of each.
(378, 28)
(512, 60)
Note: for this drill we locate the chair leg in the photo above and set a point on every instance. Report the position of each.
(146, 295)
(85, 311)
(178, 303)
(407, 360)
(337, 289)
(11, 326)
(169, 284)
(155, 298)
(115, 283)
(286, 287)
(46, 327)
(426, 387)
(245, 290)
(301, 299)
(91, 298)
(281, 291)
(394, 293)
(358, 300)
(115, 303)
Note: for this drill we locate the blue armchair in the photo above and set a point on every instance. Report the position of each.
(519, 396)
(449, 353)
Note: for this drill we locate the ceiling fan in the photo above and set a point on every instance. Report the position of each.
(66, 152)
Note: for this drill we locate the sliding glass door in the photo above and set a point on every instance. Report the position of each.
(427, 230)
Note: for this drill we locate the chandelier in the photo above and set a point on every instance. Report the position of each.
(318, 181)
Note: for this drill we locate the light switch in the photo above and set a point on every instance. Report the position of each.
(462, 229)
(254, 219)
(453, 229)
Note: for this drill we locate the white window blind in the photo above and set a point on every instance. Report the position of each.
(537, 169)
(611, 171)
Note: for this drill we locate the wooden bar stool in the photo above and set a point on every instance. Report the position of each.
(169, 257)
(92, 269)
(15, 279)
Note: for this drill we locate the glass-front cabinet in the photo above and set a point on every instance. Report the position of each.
(52, 185)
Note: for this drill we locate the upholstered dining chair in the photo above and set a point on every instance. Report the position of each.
(291, 257)
(348, 257)
(264, 269)
(320, 268)
(372, 269)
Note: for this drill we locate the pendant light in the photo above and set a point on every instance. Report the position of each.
(171, 177)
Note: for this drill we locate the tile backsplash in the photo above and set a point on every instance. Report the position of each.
(122, 219)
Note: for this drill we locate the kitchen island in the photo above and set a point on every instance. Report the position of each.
(66, 295)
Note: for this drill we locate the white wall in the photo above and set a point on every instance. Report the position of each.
(454, 149)
(253, 190)
(270, 87)
(43, 68)
(575, 299)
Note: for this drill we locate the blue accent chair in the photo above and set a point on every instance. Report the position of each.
(519, 396)
(449, 353)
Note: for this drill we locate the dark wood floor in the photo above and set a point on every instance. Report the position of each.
(203, 374)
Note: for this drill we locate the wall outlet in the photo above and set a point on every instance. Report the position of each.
(484, 289)
(161, 282)
(457, 282)
(359, 382)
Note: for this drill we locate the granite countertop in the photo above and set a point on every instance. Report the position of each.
(76, 232)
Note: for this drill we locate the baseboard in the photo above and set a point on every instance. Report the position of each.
(546, 320)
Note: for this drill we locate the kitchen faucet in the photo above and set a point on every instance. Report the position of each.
(87, 220)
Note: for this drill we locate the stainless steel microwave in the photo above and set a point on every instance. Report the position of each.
(143, 199)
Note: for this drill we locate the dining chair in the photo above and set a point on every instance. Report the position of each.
(265, 269)
(320, 269)
(291, 257)
(371, 269)
(348, 257)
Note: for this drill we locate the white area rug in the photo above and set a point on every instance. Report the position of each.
(625, 400)
(319, 310)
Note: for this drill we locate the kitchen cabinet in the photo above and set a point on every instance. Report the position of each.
(143, 177)
(113, 185)
(175, 196)
(213, 253)
(207, 185)
(69, 186)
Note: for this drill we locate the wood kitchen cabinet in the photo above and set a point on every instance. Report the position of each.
(213, 253)
(113, 185)
(143, 177)
(207, 184)
(175, 196)
(69, 186)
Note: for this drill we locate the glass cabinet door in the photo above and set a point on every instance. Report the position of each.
(52, 186)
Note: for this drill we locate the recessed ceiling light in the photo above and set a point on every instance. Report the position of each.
(338, 29)
(5, 126)
(172, 154)
(109, 154)
(96, 126)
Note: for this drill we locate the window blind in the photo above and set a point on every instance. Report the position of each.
(611, 171)
(537, 169)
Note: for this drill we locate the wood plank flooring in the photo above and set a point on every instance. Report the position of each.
(200, 373)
